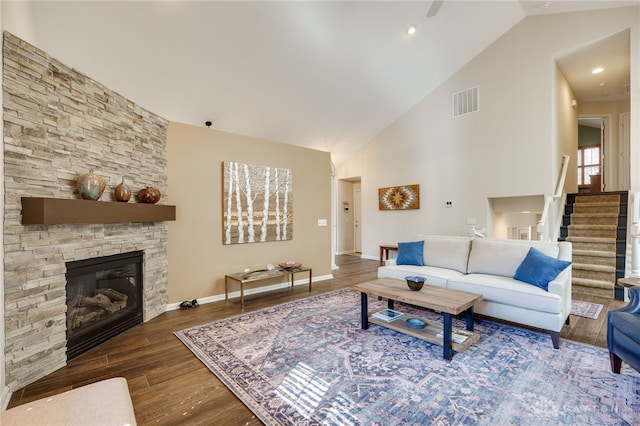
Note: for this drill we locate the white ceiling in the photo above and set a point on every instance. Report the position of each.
(328, 75)
(613, 55)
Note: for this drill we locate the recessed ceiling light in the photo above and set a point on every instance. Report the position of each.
(597, 70)
(411, 29)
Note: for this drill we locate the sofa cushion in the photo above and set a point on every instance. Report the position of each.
(447, 252)
(508, 291)
(435, 276)
(503, 257)
(410, 253)
(538, 269)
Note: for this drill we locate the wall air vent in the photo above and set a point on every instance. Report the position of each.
(466, 101)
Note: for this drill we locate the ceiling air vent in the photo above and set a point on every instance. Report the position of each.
(466, 101)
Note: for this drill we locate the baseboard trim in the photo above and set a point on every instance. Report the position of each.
(257, 290)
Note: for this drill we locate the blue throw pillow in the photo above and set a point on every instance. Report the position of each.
(538, 269)
(410, 253)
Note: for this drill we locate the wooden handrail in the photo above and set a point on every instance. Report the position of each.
(563, 175)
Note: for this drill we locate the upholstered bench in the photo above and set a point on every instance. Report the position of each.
(102, 403)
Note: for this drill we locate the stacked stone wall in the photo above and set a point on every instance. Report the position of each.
(58, 124)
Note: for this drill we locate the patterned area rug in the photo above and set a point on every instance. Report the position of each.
(585, 309)
(308, 362)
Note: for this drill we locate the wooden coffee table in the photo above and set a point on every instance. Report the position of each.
(449, 302)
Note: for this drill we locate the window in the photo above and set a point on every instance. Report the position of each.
(588, 164)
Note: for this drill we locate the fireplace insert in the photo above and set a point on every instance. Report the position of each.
(104, 298)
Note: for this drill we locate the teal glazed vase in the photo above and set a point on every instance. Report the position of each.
(90, 186)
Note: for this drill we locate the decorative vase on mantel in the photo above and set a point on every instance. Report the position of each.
(149, 195)
(122, 192)
(90, 186)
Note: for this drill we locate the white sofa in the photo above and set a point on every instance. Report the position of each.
(487, 266)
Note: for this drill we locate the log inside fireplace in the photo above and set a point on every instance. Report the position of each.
(104, 298)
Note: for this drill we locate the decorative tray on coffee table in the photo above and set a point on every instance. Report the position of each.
(290, 265)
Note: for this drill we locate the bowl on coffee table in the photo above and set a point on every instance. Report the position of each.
(415, 283)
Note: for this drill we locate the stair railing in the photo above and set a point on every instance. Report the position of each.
(634, 233)
(549, 224)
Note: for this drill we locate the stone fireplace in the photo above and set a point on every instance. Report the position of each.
(58, 124)
(104, 298)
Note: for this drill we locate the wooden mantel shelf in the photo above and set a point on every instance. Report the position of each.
(56, 211)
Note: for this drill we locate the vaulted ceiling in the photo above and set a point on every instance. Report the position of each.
(327, 75)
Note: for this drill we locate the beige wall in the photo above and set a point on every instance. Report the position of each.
(511, 147)
(566, 132)
(198, 261)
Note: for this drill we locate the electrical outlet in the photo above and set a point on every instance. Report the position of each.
(449, 204)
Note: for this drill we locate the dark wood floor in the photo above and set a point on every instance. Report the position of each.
(170, 386)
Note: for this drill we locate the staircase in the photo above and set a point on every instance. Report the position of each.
(596, 226)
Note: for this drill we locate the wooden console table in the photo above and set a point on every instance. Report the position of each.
(384, 251)
(251, 277)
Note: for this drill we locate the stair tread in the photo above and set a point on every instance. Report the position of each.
(594, 226)
(603, 203)
(594, 253)
(604, 198)
(607, 293)
(595, 214)
(591, 239)
(592, 283)
(591, 267)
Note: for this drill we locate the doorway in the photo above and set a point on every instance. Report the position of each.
(349, 220)
(357, 217)
(592, 155)
(599, 75)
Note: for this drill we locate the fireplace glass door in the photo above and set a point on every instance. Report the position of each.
(104, 298)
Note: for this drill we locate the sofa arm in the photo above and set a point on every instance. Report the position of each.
(561, 285)
(633, 307)
(390, 262)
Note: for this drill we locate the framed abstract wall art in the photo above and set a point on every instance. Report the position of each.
(257, 203)
(405, 197)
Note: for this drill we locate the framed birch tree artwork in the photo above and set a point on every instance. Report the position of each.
(257, 203)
